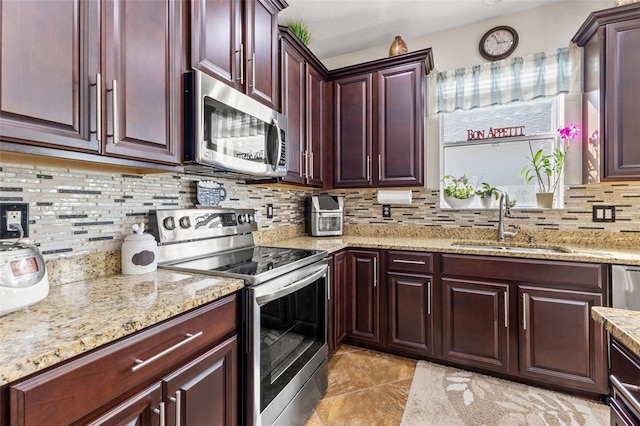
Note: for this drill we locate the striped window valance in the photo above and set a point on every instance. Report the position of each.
(521, 78)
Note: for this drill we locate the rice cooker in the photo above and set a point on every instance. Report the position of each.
(23, 276)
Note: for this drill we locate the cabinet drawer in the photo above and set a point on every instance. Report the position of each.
(409, 261)
(552, 272)
(68, 393)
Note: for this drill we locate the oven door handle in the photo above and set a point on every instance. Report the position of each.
(281, 288)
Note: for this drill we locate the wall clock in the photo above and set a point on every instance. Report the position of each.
(498, 43)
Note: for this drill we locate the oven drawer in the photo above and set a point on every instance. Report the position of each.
(409, 261)
(625, 380)
(102, 378)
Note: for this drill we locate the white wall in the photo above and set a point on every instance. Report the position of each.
(542, 29)
(539, 30)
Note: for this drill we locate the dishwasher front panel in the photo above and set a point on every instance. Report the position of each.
(625, 287)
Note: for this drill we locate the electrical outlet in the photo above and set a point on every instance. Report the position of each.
(12, 217)
(604, 213)
(386, 210)
(269, 211)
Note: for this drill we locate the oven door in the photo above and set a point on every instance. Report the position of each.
(287, 348)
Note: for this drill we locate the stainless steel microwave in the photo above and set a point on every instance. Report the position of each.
(229, 133)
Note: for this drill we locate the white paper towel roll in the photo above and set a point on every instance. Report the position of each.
(394, 196)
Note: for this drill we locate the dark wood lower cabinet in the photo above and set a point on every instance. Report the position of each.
(364, 296)
(559, 342)
(411, 325)
(142, 409)
(201, 392)
(190, 361)
(338, 296)
(475, 323)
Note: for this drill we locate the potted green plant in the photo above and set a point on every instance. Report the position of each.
(547, 169)
(487, 194)
(459, 192)
(300, 29)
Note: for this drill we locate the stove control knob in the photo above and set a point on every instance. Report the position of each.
(169, 223)
(251, 218)
(185, 222)
(241, 219)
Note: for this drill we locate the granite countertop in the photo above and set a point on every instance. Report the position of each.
(83, 315)
(623, 324)
(573, 252)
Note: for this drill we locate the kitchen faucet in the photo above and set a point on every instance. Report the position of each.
(504, 211)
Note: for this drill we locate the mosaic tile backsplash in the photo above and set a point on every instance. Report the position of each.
(75, 212)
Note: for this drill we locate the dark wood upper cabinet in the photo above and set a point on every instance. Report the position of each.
(89, 76)
(400, 132)
(143, 102)
(236, 42)
(379, 116)
(303, 101)
(49, 59)
(611, 41)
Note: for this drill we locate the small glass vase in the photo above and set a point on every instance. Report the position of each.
(398, 47)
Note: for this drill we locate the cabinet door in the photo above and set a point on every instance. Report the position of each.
(364, 296)
(410, 312)
(49, 59)
(400, 100)
(143, 409)
(475, 323)
(204, 392)
(216, 40)
(293, 106)
(559, 342)
(143, 80)
(339, 297)
(622, 150)
(316, 147)
(261, 32)
(353, 138)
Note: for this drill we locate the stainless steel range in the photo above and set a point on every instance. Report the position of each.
(284, 309)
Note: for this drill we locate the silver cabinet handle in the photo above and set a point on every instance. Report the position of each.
(506, 309)
(160, 411)
(302, 162)
(368, 168)
(429, 297)
(253, 71)
(98, 107)
(411, 262)
(624, 389)
(329, 283)
(379, 167)
(116, 121)
(375, 271)
(143, 363)
(178, 407)
(241, 78)
(524, 311)
(310, 164)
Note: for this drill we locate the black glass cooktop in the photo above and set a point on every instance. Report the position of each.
(252, 261)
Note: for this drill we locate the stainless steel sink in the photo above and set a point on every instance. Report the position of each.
(510, 248)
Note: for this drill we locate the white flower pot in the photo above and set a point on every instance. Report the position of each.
(458, 203)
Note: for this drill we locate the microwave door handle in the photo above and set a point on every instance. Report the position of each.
(275, 123)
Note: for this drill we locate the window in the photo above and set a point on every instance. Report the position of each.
(465, 150)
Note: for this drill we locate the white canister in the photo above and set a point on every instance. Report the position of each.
(139, 252)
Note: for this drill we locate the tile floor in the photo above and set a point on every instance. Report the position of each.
(365, 388)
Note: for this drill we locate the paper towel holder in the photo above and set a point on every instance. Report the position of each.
(394, 196)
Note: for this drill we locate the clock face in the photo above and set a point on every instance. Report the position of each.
(498, 43)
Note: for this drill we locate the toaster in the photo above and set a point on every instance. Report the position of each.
(323, 215)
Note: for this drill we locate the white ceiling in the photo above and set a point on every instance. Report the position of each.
(342, 26)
